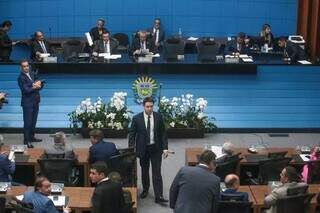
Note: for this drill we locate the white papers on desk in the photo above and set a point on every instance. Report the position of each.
(192, 38)
(108, 56)
(304, 62)
(44, 55)
(217, 150)
(89, 39)
(59, 200)
(243, 56)
(19, 197)
(305, 157)
(157, 55)
(249, 60)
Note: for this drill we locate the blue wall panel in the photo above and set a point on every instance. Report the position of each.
(195, 17)
(277, 97)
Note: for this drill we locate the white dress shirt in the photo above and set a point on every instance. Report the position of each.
(143, 45)
(156, 33)
(151, 126)
(106, 47)
(44, 49)
(28, 75)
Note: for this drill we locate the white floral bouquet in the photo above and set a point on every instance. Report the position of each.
(99, 115)
(185, 112)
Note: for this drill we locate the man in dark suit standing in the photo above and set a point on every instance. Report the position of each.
(39, 46)
(29, 86)
(97, 32)
(292, 50)
(196, 188)
(141, 44)
(157, 34)
(106, 45)
(147, 134)
(100, 150)
(5, 41)
(108, 195)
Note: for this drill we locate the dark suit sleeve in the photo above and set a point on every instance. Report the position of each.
(133, 133)
(174, 190)
(164, 136)
(91, 157)
(26, 88)
(96, 201)
(216, 198)
(115, 150)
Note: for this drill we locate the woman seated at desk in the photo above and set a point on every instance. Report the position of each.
(266, 36)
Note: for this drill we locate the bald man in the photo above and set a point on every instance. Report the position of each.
(232, 183)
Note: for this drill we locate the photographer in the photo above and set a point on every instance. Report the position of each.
(3, 99)
(30, 87)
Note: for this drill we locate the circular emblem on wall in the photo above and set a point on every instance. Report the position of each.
(144, 86)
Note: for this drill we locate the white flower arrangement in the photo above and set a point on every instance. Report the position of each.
(185, 112)
(114, 115)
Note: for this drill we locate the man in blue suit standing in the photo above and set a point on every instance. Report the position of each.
(100, 150)
(29, 86)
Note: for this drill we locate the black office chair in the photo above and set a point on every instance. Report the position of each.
(298, 190)
(125, 164)
(71, 49)
(314, 171)
(207, 49)
(269, 170)
(294, 204)
(172, 48)
(277, 155)
(231, 197)
(227, 167)
(234, 207)
(2, 205)
(21, 207)
(123, 41)
(59, 170)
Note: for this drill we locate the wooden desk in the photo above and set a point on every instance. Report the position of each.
(259, 192)
(82, 155)
(191, 154)
(251, 197)
(79, 197)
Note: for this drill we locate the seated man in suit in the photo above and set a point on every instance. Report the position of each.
(241, 45)
(142, 44)
(60, 148)
(7, 167)
(292, 50)
(227, 151)
(97, 32)
(39, 46)
(232, 183)
(289, 178)
(100, 150)
(157, 33)
(106, 45)
(39, 197)
(108, 195)
(196, 188)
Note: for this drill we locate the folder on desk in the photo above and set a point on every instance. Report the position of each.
(58, 200)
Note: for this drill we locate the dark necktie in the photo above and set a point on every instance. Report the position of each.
(148, 130)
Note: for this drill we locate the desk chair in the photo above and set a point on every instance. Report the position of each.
(207, 50)
(277, 155)
(59, 170)
(71, 49)
(125, 165)
(2, 205)
(172, 48)
(227, 167)
(234, 207)
(294, 204)
(123, 40)
(21, 208)
(299, 190)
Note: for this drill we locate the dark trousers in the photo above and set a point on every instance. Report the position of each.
(30, 115)
(156, 158)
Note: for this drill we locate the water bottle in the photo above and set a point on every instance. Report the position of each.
(266, 48)
(180, 33)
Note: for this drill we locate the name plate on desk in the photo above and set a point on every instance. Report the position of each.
(50, 60)
(146, 59)
(231, 60)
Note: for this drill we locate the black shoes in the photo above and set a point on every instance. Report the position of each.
(29, 145)
(36, 140)
(161, 200)
(143, 194)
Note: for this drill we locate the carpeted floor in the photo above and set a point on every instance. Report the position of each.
(171, 165)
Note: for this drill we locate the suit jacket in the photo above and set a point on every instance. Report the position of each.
(99, 46)
(136, 45)
(40, 202)
(138, 134)
(277, 193)
(30, 97)
(229, 193)
(94, 32)
(57, 150)
(5, 43)
(231, 47)
(36, 47)
(7, 169)
(102, 151)
(195, 189)
(295, 52)
(264, 40)
(108, 197)
(161, 35)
